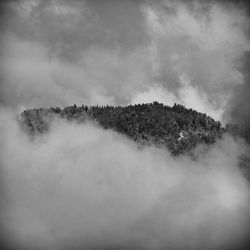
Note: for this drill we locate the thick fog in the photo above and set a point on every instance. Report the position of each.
(83, 187)
(80, 186)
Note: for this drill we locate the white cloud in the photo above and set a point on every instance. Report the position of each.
(82, 186)
(65, 52)
(155, 93)
(204, 42)
(191, 97)
(186, 94)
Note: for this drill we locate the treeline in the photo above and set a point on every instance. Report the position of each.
(177, 128)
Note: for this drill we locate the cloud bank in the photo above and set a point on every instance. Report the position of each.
(99, 190)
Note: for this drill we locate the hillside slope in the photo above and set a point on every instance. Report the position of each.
(177, 128)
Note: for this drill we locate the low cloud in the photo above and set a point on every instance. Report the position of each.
(58, 53)
(187, 95)
(82, 186)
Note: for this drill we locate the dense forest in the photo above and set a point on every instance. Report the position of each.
(177, 128)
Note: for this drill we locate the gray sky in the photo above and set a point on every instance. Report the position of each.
(57, 53)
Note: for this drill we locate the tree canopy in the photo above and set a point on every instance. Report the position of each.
(177, 128)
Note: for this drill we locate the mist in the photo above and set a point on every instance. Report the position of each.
(58, 53)
(239, 110)
(80, 186)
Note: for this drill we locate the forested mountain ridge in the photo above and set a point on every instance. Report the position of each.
(177, 128)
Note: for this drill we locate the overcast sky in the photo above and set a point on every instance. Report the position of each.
(80, 184)
(59, 53)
